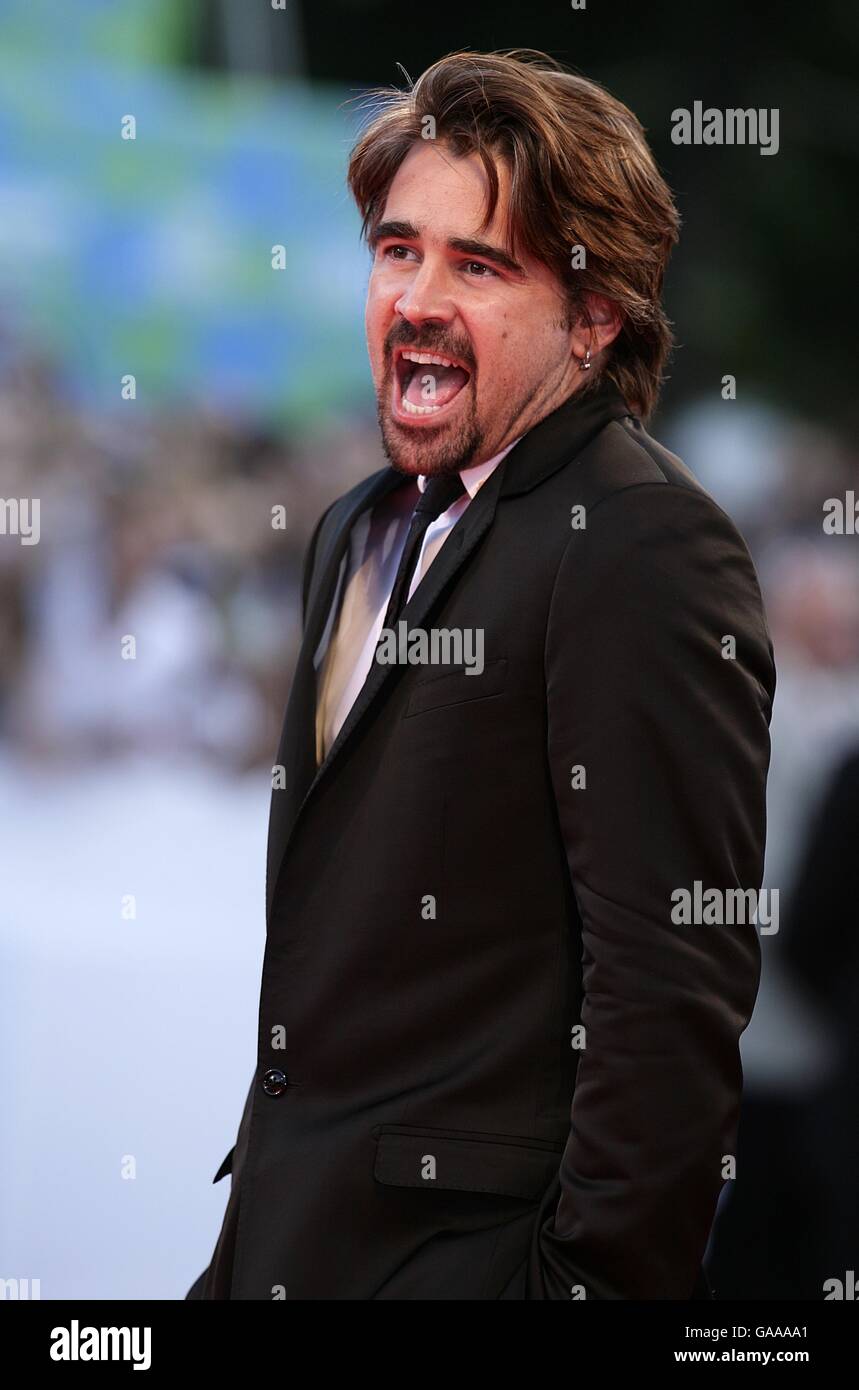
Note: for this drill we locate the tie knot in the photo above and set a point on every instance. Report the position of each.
(439, 494)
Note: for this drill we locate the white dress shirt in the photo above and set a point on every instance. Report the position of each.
(345, 653)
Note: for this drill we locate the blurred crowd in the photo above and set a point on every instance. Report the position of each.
(183, 532)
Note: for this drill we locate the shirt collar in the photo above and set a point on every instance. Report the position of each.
(474, 478)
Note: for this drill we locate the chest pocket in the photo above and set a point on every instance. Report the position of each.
(457, 686)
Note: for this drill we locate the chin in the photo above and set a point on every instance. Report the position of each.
(430, 451)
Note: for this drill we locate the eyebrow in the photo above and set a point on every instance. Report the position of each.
(469, 247)
(466, 246)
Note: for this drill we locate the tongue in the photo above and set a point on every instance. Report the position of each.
(435, 385)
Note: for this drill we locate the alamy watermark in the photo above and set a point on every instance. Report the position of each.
(76, 1343)
(841, 516)
(725, 907)
(440, 646)
(17, 1289)
(19, 516)
(733, 126)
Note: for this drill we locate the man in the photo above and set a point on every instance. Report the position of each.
(493, 1061)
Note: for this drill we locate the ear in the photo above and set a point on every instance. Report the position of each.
(604, 326)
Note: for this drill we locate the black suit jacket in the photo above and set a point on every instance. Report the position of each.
(445, 907)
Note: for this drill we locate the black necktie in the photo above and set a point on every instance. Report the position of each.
(439, 494)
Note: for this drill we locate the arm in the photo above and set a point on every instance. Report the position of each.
(675, 744)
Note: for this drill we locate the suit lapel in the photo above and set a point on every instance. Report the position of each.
(562, 435)
(296, 754)
(469, 530)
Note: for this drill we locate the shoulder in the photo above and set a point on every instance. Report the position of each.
(623, 456)
(654, 548)
(332, 518)
(348, 501)
(639, 497)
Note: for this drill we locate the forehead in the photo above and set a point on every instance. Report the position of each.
(446, 194)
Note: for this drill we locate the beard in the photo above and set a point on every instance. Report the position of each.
(445, 448)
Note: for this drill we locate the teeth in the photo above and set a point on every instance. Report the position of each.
(424, 358)
(418, 409)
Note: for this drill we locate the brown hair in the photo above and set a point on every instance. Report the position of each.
(581, 174)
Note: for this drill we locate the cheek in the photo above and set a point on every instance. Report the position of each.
(502, 354)
(383, 292)
(514, 351)
(377, 321)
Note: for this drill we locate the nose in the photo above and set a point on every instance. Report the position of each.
(426, 296)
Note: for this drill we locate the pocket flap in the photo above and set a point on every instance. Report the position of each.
(226, 1167)
(457, 686)
(410, 1157)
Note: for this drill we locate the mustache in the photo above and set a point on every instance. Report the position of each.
(429, 338)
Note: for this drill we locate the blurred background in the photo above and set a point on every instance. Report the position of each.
(166, 390)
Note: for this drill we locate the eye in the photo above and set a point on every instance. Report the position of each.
(397, 253)
(479, 270)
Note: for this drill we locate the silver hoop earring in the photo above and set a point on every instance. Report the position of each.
(585, 364)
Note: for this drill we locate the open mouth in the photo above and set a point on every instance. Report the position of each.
(426, 383)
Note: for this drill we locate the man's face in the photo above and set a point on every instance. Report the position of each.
(441, 288)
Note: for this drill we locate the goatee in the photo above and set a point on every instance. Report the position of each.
(428, 450)
(436, 452)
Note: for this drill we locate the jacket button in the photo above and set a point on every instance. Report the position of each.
(275, 1082)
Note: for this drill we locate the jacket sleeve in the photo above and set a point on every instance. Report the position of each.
(668, 721)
